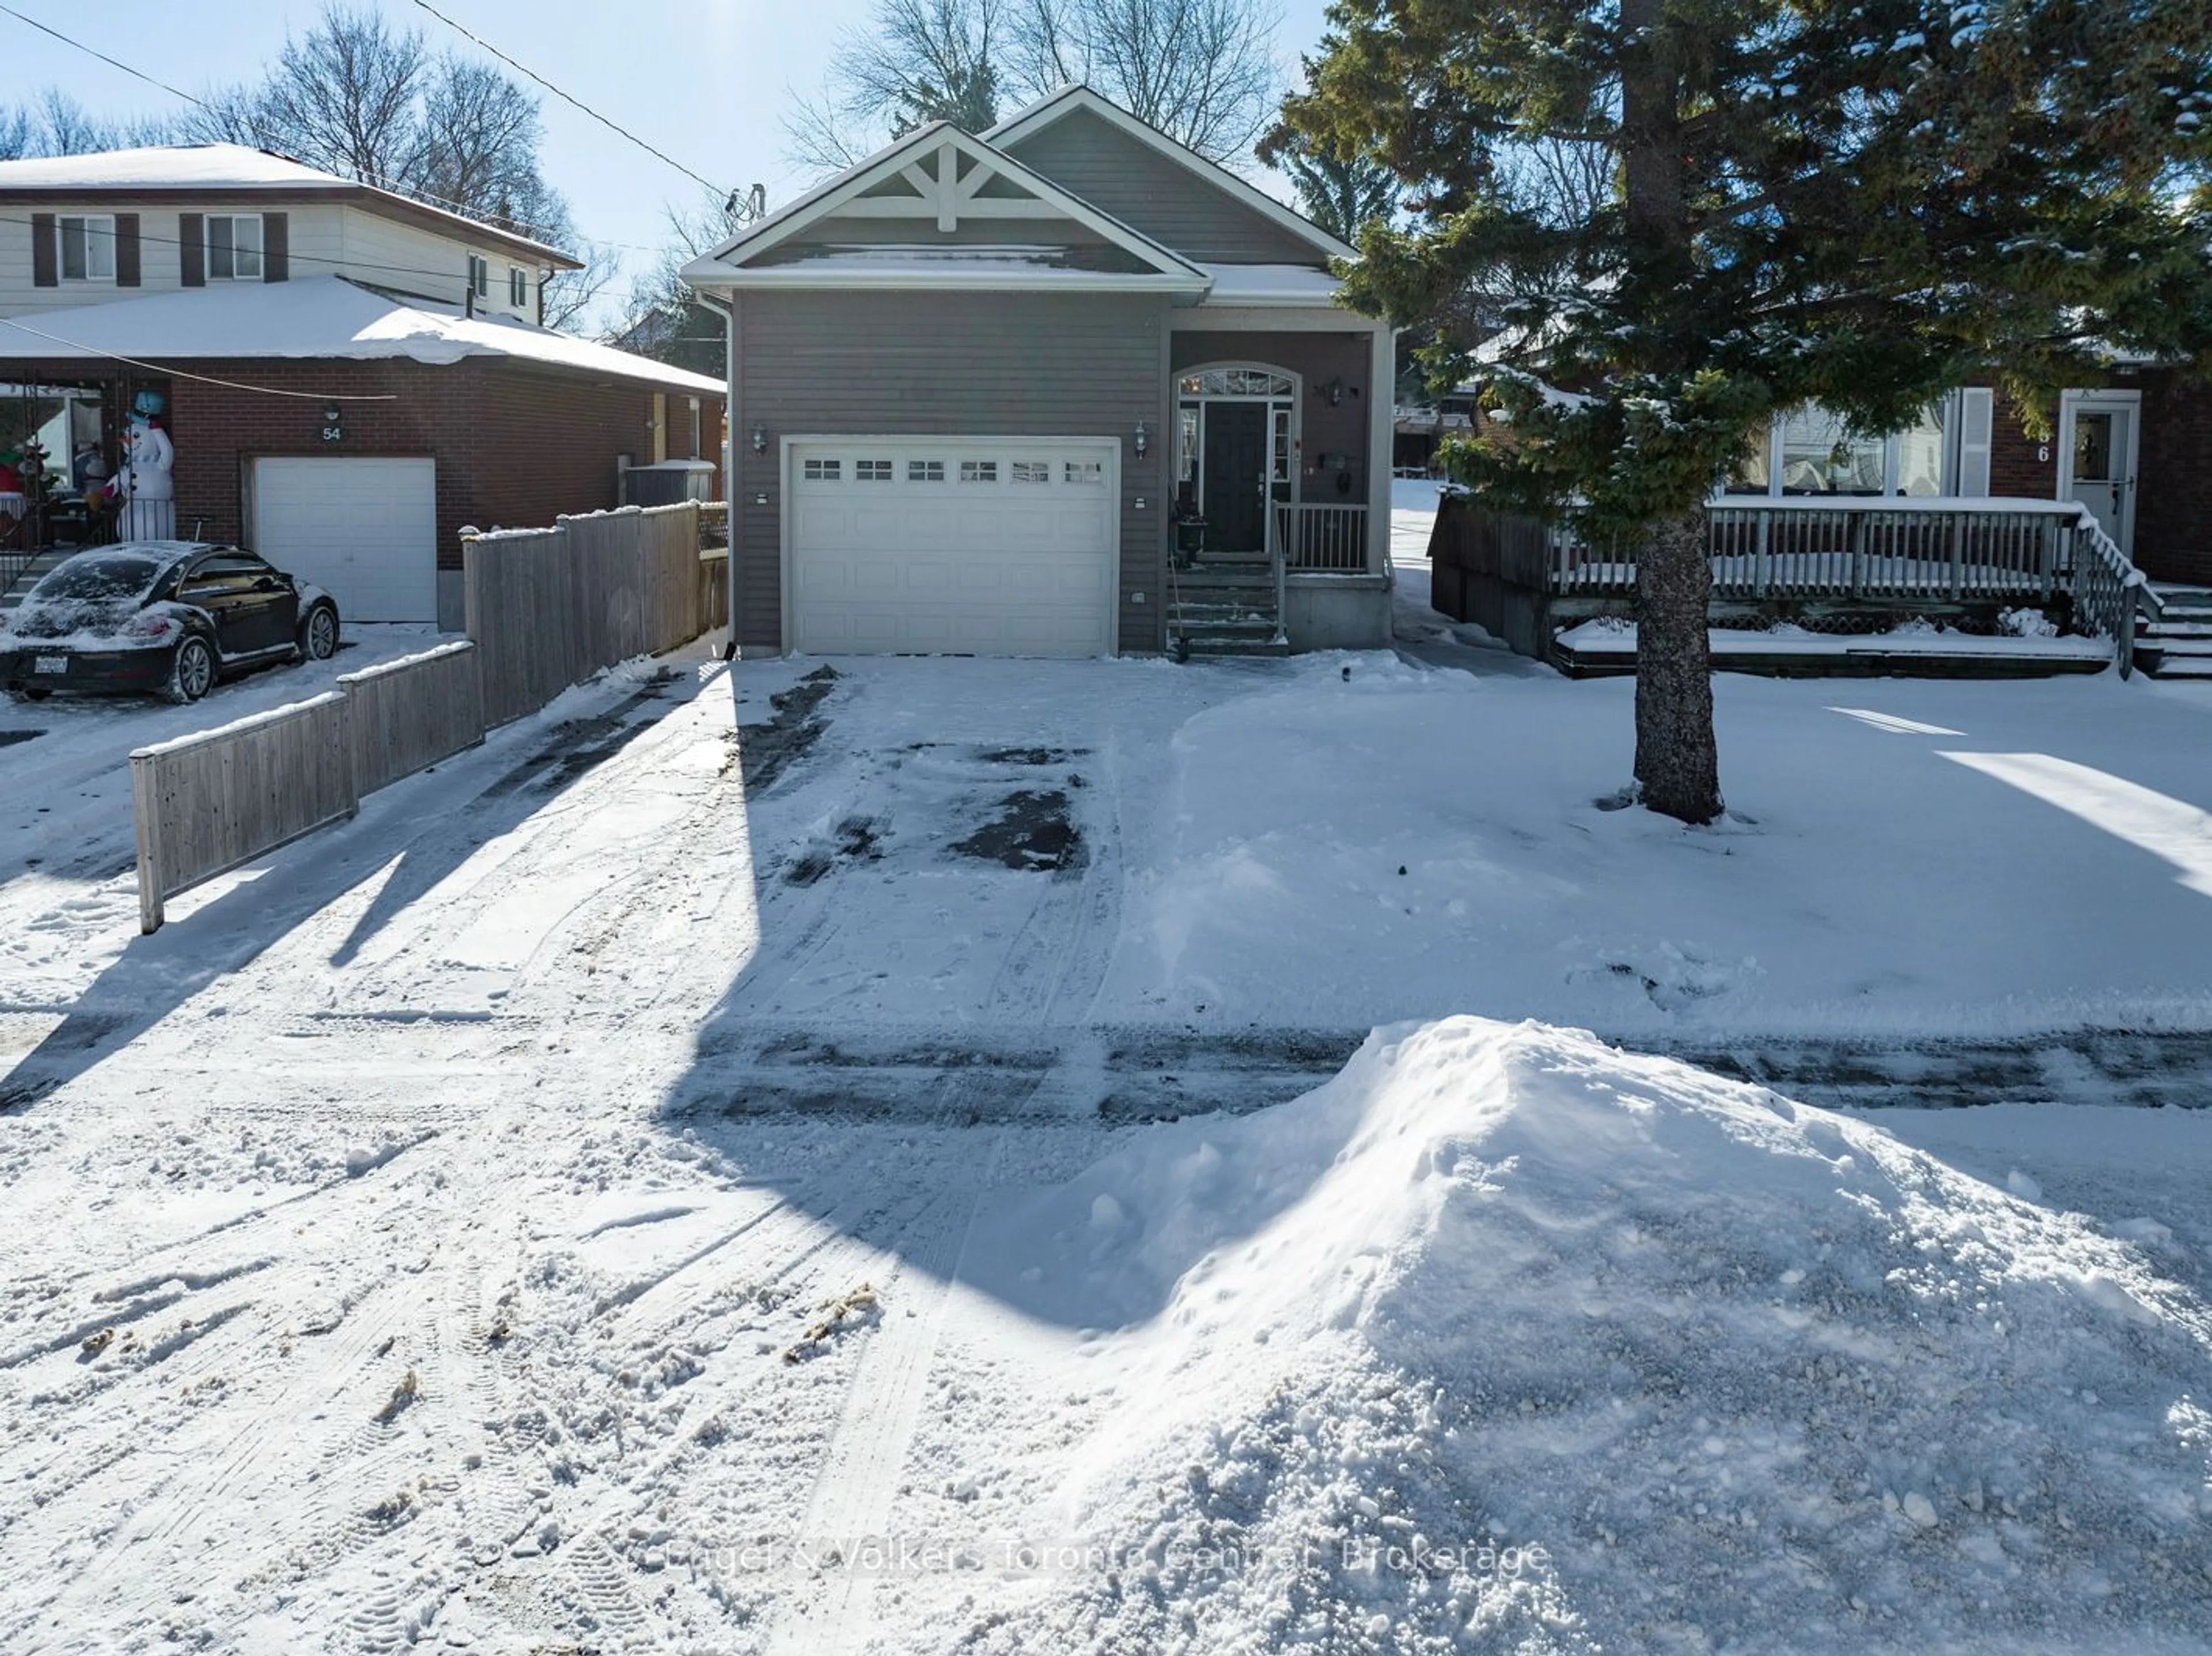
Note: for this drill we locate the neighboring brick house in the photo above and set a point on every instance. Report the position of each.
(255, 299)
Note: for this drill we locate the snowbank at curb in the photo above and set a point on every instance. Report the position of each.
(1504, 1340)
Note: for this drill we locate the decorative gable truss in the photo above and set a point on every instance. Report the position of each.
(941, 207)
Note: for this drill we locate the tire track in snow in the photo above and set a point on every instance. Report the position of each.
(854, 1494)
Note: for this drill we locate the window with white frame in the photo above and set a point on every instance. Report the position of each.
(518, 287)
(872, 472)
(480, 277)
(1813, 451)
(822, 471)
(925, 471)
(1032, 472)
(1084, 471)
(233, 247)
(979, 471)
(86, 250)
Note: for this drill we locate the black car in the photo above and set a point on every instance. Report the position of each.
(166, 617)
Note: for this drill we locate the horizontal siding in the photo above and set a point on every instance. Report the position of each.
(1016, 365)
(1123, 177)
(394, 255)
(1320, 358)
(316, 249)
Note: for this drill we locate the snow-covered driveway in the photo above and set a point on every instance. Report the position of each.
(550, 1209)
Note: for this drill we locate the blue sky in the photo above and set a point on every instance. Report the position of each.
(707, 81)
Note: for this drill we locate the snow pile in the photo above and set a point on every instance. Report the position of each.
(1506, 1340)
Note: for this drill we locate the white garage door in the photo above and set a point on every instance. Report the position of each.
(968, 546)
(364, 528)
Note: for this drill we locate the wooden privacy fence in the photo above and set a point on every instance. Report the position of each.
(206, 803)
(548, 608)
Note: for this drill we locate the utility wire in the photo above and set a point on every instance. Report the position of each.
(619, 131)
(204, 380)
(392, 186)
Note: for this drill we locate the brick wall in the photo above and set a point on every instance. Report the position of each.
(515, 445)
(2174, 469)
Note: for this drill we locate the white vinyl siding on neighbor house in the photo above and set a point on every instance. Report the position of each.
(925, 546)
(363, 527)
(315, 246)
(407, 259)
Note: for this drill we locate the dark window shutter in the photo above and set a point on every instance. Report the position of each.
(276, 247)
(191, 249)
(44, 271)
(126, 250)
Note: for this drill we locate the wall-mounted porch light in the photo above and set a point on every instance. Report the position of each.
(759, 438)
(1143, 439)
(1333, 391)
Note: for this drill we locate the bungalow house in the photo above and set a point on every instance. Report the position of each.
(1063, 387)
(346, 376)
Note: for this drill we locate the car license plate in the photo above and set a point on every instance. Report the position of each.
(51, 664)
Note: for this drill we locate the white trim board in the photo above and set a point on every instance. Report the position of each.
(1052, 107)
(932, 141)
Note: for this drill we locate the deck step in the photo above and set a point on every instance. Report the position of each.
(2187, 667)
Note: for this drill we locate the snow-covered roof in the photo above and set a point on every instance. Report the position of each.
(313, 317)
(233, 169)
(1269, 284)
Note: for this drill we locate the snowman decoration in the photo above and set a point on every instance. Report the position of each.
(148, 493)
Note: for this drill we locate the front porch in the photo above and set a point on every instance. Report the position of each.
(1278, 525)
(1856, 565)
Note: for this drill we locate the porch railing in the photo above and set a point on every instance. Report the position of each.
(1328, 538)
(1873, 550)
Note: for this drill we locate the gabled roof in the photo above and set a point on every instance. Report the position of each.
(310, 318)
(1058, 106)
(927, 162)
(183, 172)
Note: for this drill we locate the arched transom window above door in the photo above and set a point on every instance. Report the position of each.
(1235, 382)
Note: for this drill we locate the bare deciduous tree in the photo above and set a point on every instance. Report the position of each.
(56, 124)
(1203, 72)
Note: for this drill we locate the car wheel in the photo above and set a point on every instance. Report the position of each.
(318, 637)
(30, 692)
(193, 674)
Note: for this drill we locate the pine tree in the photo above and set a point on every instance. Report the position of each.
(1858, 202)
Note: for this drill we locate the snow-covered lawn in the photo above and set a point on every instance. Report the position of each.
(675, 1177)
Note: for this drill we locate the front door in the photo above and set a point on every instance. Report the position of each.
(1236, 471)
(2100, 442)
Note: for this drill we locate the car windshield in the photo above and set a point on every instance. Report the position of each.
(109, 579)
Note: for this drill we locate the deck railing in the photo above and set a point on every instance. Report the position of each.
(1875, 551)
(1329, 538)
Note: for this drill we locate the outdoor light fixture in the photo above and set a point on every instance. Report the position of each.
(760, 438)
(1144, 440)
(1334, 391)
(333, 429)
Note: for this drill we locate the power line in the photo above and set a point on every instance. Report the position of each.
(102, 56)
(392, 186)
(620, 131)
(204, 380)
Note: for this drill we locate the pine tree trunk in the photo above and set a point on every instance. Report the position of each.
(1676, 761)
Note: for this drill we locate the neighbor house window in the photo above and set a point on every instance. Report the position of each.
(233, 247)
(1812, 450)
(518, 287)
(480, 277)
(87, 247)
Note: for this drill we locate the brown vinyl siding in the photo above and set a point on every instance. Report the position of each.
(1128, 179)
(971, 364)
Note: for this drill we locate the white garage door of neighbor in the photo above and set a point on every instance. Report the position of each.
(955, 546)
(362, 528)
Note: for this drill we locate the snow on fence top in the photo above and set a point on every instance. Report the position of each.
(239, 726)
